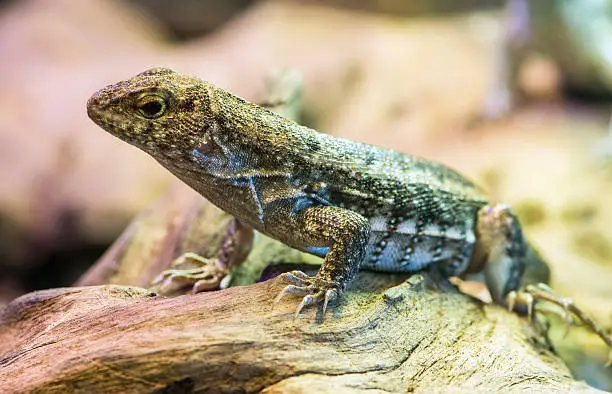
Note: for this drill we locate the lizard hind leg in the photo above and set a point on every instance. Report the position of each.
(513, 269)
(501, 241)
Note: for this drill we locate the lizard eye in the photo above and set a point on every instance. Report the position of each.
(152, 106)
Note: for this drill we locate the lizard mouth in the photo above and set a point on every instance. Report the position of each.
(92, 108)
(100, 114)
(103, 110)
(98, 105)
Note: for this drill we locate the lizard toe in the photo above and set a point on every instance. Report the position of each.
(330, 296)
(314, 290)
(291, 289)
(300, 275)
(297, 278)
(541, 292)
(309, 299)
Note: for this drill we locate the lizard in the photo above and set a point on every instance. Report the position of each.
(353, 204)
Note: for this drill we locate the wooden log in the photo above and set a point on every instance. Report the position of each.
(385, 335)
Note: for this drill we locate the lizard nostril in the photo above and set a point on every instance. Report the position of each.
(92, 103)
(94, 99)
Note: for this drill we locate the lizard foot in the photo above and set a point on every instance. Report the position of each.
(313, 289)
(208, 275)
(528, 295)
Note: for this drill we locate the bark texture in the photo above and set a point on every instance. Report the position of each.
(385, 335)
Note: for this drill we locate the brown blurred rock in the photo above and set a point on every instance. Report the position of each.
(193, 18)
(58, 181)
(410, 8)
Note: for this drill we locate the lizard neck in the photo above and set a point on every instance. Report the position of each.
(254, 131)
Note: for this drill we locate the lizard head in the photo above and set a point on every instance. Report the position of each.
(159, 111)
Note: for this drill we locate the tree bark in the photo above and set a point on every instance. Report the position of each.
(385, 335)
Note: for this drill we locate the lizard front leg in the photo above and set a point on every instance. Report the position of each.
(346, 234)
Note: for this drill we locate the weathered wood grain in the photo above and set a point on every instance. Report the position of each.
(385, 336)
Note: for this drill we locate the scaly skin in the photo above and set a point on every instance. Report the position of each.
(355, 204)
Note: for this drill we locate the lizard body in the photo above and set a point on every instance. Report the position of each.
(354, 204)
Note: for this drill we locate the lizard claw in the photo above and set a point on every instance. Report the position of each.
(511, 300)
(563, 302)
(298, 280)
(521, 297)
(541, 292)
(567, 317)
(308, 299)
(313, 289)
(330, 295)
(290, 289)
(298, 274)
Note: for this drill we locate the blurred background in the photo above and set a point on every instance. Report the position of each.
(515, 94)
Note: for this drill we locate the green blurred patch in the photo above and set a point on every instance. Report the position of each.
(530, 212)
(593, 245)
(579, 212)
